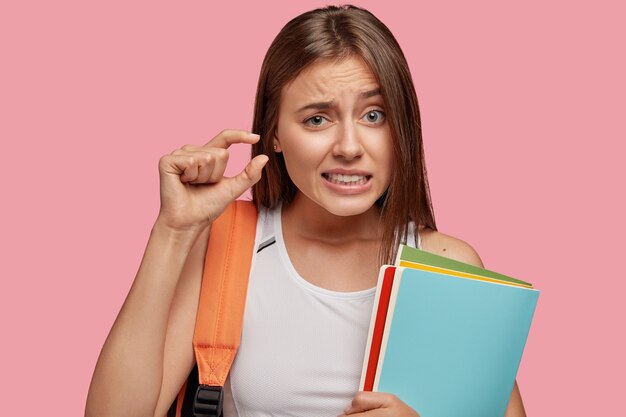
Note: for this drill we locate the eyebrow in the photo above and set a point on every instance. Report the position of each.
(322, 105)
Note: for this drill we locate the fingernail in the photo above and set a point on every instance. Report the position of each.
(254, 135)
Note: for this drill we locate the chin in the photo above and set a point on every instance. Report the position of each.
(344, 207)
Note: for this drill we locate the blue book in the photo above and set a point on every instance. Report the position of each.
(452, 345)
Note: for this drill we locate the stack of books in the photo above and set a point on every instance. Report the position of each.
(447, 337)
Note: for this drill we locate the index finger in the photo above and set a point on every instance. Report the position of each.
(229, 136)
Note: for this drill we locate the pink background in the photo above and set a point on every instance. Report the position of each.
(523, 114)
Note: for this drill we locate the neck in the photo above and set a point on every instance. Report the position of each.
(312, 221)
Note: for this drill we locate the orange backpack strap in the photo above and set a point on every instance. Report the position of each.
(222, 300)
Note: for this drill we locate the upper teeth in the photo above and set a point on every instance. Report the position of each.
(345, 178)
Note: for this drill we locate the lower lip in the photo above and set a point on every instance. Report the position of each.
(349, 188)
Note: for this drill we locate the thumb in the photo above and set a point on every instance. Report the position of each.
(250, 175)
(365, 401)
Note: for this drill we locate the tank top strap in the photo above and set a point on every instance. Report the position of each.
(413, 237)
(419, 239)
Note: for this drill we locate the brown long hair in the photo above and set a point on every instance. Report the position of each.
(338, 32)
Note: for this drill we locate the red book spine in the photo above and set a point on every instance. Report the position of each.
(379, 327)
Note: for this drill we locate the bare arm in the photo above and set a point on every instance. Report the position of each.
(448, 246)
(129, 373)
(148, 353)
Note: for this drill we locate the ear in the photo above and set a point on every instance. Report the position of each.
(276, 144)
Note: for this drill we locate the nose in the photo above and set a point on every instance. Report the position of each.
(348, 143)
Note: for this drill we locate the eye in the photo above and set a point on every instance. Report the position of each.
(315, 121)
(375, 116)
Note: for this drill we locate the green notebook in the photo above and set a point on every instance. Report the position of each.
(413, 255)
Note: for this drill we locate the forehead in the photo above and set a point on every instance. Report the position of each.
(328, 79)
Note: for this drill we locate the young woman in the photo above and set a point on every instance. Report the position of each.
(339, 180)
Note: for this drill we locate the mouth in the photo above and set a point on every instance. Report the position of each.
(346, 179)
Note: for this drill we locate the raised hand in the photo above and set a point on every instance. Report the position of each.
(193, 189)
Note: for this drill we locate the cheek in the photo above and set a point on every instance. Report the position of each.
(386, 159)
(381, 148)
(297, 153)
(300, 163)
(289, 137)
(303, 147)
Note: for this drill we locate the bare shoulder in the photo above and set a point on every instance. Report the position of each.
(449, 246)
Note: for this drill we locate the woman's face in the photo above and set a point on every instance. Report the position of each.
(334, 136)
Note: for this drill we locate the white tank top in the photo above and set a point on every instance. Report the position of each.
(302, 346)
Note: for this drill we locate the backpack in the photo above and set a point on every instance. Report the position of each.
(220, 311)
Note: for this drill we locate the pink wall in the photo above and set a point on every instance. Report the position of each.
(523, 114)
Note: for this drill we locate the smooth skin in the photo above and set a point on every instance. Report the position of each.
(145, 360)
